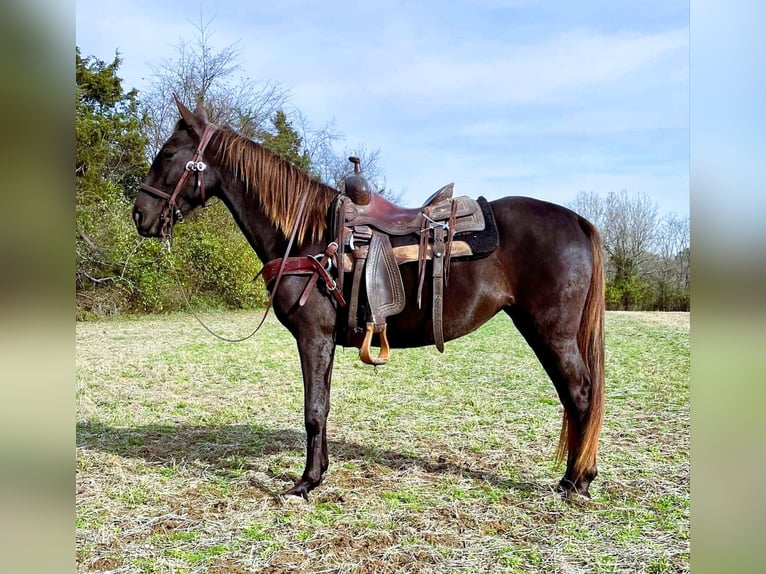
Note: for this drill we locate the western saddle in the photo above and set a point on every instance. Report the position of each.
(366, 223)
(366, 226)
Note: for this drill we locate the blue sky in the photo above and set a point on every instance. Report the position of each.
(503, 97)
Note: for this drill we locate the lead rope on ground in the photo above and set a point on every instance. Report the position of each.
(167, 249)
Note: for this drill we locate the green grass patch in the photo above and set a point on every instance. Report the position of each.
(402, 497)
(198, 555)
(256, 531)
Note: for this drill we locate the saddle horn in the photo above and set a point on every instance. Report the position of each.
(356, 186)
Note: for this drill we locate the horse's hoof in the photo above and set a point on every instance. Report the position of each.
(296, 492)
(294, 499)
(570, 491)
(300, 490)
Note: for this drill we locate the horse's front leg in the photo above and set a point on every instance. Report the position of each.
(316, 352)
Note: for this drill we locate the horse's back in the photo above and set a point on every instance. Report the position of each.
(538, 223)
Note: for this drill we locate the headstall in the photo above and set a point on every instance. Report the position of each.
(171, 212)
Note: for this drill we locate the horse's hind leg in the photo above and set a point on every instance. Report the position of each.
(557, 349)
(574, 386)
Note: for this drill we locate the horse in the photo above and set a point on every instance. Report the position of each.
(546, 274)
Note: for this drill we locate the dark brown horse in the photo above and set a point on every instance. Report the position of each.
(546, 274)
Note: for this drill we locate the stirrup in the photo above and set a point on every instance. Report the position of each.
(364, 351)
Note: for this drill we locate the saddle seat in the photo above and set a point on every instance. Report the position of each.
(394, 219)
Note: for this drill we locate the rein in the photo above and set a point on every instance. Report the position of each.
(198, 318)
(281, 272)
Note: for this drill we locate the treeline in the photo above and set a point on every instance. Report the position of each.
(119, 131)
(647, 254)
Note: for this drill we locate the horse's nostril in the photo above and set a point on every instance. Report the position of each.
(137, 217)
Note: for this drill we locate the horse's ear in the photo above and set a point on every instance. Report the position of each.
(199, 111)
(196, 119)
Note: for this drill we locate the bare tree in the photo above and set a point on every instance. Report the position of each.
(318, 144)
(629, 230)
(647, 255)
(199, 71)
(673, 241)
(591, 206)
(629, 226)
(672, 274)
(202, 72)
(337, 166)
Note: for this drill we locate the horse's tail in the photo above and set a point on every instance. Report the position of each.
(590, 341)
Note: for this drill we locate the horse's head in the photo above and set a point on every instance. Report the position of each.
(179, 179)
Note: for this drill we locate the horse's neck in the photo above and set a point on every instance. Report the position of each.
(265, 239)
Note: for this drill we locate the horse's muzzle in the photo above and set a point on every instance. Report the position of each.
(141, 225)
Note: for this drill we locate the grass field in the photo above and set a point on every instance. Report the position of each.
(438, 463)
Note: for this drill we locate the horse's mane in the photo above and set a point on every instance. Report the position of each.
(276, 183)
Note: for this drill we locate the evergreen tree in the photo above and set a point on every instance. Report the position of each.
(286, 142)
(109, 166)
(110, 141)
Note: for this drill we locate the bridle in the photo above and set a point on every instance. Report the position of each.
(171, 212)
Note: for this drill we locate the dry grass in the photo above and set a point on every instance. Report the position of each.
(439, 463)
